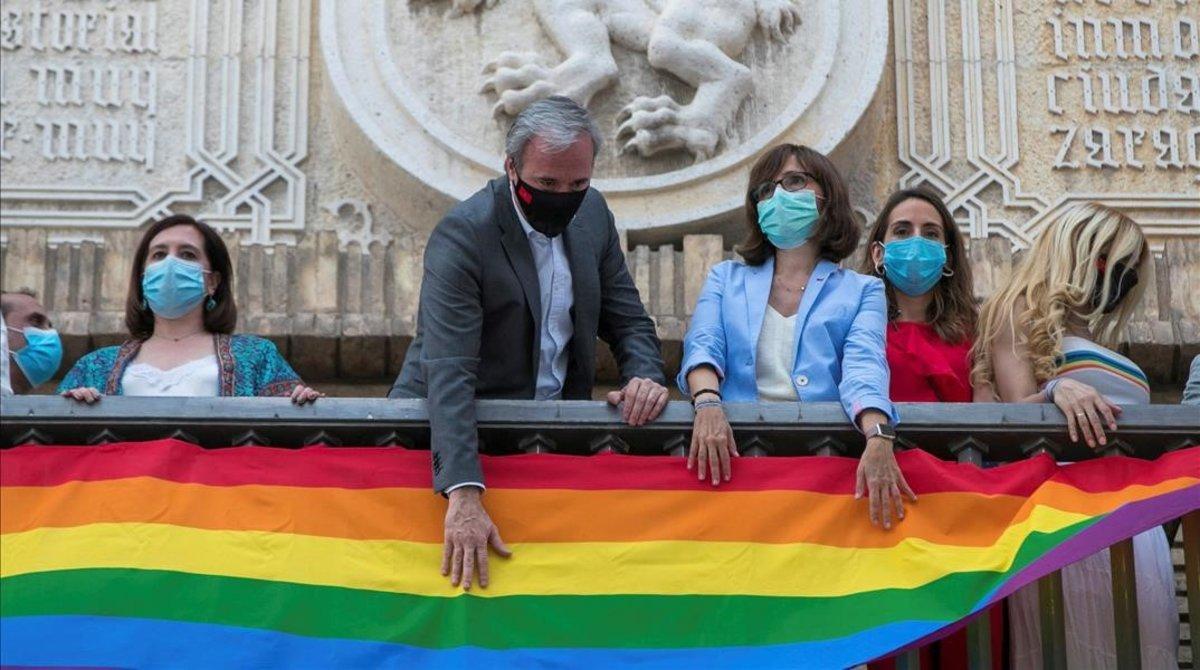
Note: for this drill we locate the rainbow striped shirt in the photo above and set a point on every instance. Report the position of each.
(1119, 379)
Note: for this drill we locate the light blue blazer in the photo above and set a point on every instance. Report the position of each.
(840, 341)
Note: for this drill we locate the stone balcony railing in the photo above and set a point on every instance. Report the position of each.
(993, 432)
(974, 433)
(348, 311)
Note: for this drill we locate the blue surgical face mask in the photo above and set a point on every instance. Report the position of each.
(787, 218)
(914, 265)
(173, 287)
(40, 357)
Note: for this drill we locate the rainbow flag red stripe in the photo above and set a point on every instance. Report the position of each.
(165, 554)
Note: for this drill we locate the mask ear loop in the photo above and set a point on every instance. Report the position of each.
(13, 353)
(946, 271)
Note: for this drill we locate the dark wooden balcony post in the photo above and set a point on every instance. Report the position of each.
(979, 630)
(1124, 589)
(1191, 571)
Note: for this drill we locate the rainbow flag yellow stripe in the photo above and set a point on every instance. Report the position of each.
(162, 553)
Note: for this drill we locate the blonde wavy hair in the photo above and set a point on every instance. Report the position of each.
(1056, 280)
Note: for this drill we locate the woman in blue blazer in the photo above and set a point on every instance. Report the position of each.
(787, 324)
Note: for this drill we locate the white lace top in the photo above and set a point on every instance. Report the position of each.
(194, 378)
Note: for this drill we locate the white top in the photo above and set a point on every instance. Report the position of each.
(5, 383)
(557, 298)
(194, 378)
(776, 356)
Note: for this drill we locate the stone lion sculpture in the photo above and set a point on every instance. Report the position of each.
(698, 41)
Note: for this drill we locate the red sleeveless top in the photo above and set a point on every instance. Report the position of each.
(924, 367)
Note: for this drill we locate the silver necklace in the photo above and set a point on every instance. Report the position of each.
(180, 339)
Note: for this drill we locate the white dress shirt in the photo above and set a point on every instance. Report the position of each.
(557, 297)
(5, 382)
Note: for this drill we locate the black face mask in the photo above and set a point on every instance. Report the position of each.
(1124, 279)
(548, 212)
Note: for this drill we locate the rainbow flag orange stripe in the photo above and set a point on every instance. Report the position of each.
(162, 553)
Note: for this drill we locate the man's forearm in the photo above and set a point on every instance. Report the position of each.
(465, 492)
(639, 354)
(453, 430)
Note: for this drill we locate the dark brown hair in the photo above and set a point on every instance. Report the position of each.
(952, 312)
(220, 319)
(836, 232)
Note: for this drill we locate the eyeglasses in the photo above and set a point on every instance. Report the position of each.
(792, 181)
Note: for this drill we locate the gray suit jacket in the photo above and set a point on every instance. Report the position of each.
(479, 321)
(1191, 392)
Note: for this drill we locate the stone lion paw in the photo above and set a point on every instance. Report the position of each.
(778, 18)
(464, 7)
(518, 79)
(652, 125)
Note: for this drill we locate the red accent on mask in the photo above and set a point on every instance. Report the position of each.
(525, 196)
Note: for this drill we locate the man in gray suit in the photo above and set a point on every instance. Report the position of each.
(519, 280)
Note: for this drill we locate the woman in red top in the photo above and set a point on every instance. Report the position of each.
(917, 249)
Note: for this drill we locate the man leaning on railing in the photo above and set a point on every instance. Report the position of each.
(519, 280)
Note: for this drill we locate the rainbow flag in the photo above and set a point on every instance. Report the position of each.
(163, 554)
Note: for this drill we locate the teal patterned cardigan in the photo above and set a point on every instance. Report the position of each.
(249, 366)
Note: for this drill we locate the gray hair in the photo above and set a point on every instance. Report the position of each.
(6, 303)
(558, 121)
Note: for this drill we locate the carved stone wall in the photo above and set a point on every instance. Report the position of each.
(1017, 110)
(326, 137)
(423, 97)
(131, 110)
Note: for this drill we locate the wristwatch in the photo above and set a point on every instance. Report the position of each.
(884, 430)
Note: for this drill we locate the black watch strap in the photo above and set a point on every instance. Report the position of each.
(884, 430)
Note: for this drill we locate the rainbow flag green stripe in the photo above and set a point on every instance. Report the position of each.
(147, 554)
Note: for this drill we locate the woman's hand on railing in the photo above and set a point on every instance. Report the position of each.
(880, 478)
(713, 446)
(84, 394)
(1086, 410)
(305, 394)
